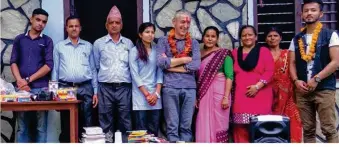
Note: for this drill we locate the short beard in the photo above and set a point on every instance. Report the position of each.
(309, 23)
(312, 22)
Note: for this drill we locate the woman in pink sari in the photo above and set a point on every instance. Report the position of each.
(253, 70)
(214, 90)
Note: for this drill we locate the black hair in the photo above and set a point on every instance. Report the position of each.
(38, 11)
(72, 17)
(273, 29)
(247, 26)
(211, 28)
(142, 52)
(320, 2)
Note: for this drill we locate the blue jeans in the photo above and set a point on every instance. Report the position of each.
(24, 122)
(147, 120)
(178, 105)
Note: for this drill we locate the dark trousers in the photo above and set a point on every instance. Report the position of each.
(322, 102)
(147, 120)
(85, 94)
(115, 103)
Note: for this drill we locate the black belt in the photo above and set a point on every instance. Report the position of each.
(116, 84)
(74, 83)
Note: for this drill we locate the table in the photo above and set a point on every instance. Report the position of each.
(72, 106)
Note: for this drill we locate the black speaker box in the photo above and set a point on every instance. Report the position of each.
(270, 129)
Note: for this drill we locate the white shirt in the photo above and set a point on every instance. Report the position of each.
(334, 41)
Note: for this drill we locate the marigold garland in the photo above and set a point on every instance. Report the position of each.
(172, 43)
(308, 57)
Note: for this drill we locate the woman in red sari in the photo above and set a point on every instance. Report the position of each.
(282, 85)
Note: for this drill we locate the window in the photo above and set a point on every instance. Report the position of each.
(330, 10)
(276, 13)
(286, 14)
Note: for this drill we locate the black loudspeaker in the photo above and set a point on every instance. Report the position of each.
(270, 129)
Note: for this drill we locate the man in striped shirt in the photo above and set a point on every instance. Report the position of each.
(74, 67)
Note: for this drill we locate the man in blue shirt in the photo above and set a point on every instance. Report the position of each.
(114, 77)
(74, 67)
(31, 63)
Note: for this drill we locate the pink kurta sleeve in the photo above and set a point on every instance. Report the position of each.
(268, 65)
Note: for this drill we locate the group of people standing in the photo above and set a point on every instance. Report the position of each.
(251, 80)
(130, 82)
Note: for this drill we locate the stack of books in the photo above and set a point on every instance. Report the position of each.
(138, 136)
(141, 136)
(93, 135)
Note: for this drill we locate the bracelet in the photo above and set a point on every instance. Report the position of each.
(295, 80)
(257, 87)
(263, 81)
(225, 97)
(158, 95)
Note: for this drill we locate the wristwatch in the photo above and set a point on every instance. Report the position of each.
(317, 79)
(27, 79)
(257, 87)
(158, 95)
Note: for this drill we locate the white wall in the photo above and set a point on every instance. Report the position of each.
(146, 8)
(55, 30)
(55, 24)
(250, 13)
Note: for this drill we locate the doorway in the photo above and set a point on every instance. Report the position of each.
(93, 16)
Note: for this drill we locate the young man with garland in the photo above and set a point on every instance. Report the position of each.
(314, 55)
(179, 56)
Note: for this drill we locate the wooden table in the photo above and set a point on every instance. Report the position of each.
(72, 106)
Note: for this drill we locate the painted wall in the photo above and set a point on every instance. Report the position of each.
(204, 13)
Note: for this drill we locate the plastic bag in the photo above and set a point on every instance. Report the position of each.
(6, 88)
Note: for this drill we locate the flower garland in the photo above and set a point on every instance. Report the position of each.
(173, 45)
(308, 57)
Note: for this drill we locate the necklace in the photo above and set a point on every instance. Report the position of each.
(173, 45)
(309, 56)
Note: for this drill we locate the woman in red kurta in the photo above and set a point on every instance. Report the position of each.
(282, 85)
(253, 69)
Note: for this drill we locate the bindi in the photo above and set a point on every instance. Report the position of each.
(187, 19)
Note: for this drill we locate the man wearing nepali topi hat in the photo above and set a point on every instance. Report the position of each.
(115, 88)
